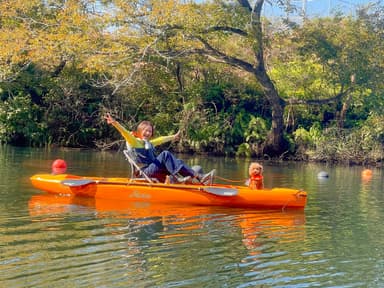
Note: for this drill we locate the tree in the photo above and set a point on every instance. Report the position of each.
(235, 35)
(225, 33)
(221, 31)
(118, 43)
(346, 50)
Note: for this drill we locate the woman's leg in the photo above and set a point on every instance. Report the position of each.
(167, 164)
(155, 170)
(173, 165)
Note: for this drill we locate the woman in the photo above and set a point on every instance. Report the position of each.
(165, 163)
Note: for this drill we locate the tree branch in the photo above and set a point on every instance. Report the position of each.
(217, 56)
(338, 97)
(245, 4)
(227, 29)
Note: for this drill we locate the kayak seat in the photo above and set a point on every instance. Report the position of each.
(136, 172)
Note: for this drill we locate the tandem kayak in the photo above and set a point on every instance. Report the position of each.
(126, 189)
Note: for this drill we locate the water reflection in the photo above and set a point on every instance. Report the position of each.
(254, 226)
(337, 241)
(150, 239)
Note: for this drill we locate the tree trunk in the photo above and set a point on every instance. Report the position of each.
(275, 144)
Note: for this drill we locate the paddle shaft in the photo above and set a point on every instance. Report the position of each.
(220, 191)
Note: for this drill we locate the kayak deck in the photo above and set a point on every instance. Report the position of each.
(126, 189)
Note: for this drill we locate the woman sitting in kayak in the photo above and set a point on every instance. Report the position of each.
(165, 163)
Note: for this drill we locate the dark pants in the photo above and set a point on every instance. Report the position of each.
(167, 164)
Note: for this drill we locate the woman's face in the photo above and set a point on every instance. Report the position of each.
(146, 132)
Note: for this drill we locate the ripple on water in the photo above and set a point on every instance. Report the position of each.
(79, 245)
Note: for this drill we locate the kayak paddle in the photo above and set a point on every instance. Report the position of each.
(219, 191)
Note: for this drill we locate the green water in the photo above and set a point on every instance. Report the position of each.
(49, 241)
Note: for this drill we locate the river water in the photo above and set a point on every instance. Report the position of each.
(49, 241)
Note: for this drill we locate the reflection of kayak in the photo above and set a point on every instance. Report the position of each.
(255, 225)
(249, 220)
(125, 189)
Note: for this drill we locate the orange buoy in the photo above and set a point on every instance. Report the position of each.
(59, 166)
(366, 173)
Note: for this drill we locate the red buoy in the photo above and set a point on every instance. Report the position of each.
(59, 166)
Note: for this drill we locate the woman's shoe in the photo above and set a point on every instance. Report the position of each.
(207, 179)
(184, 180)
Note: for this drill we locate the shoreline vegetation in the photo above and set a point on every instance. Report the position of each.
(233, 82)
(345, 158)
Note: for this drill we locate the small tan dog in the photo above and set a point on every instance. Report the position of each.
(255, 180)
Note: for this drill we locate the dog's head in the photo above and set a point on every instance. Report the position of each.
(255, 169)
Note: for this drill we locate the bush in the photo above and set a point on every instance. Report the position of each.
(19, 122)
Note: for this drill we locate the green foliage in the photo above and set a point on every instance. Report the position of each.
(19, 122)
(301, 79)
(244, 150)
(219, 112)
(373, 128)
(351, 146)
(256, 131)
(255, 135)
(57, 85)
(308, 139)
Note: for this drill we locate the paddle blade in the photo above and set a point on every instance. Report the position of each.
(77, 182)
(221, 191)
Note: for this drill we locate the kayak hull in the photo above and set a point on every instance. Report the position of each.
(125, 189)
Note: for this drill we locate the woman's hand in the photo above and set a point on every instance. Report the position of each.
(109, 118)
(176, 137)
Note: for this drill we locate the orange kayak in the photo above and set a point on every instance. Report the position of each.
(126, 189)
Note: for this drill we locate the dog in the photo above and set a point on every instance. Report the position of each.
(255, 180)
